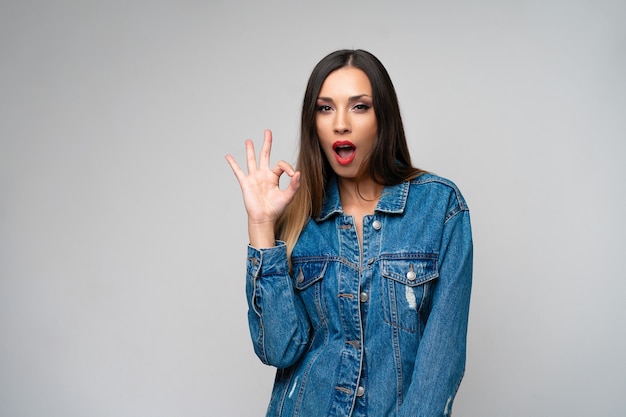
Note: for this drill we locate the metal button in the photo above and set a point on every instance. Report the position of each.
(360, 391)
(377, 225)
(411, 276)
(364, 297)
(300, 277)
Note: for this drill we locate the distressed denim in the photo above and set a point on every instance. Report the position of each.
(378, 330)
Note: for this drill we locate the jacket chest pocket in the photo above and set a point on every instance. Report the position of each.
(308, 279)
(406, 290)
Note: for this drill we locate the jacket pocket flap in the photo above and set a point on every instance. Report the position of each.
(307, 273)
(411, 272)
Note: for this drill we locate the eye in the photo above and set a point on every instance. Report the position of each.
(361, 107)
(324, 108)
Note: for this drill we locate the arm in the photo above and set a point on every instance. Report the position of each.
(440, 361)
(279, 324)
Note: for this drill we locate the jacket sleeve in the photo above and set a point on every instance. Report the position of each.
(440, 361)
(278, 321)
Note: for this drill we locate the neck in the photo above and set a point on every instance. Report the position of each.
(359, 192)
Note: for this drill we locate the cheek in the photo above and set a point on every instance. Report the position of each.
(324, 133)
(369, 127)
(321, 125)
(373, 122)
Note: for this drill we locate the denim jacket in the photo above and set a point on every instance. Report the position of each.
(373, 330)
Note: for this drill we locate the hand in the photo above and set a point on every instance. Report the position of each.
(265, 201)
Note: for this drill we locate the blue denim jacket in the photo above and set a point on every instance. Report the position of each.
(372, 331)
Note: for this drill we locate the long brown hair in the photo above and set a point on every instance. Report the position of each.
(389, 163)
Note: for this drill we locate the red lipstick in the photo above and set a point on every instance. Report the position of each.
(345, 151)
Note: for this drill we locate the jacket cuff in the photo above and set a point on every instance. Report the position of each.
(268, 261)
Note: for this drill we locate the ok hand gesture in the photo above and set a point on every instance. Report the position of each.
(265, 201)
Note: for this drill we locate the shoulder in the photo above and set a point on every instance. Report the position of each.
(440, 190)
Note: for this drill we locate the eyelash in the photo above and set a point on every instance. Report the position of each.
(358, 107)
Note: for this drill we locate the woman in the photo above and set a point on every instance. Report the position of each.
(359, 272)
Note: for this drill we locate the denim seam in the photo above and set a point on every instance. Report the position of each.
(305, 375)
(261, 326)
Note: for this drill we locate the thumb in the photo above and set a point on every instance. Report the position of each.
(294, 186)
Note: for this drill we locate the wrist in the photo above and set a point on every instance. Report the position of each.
(262, 234)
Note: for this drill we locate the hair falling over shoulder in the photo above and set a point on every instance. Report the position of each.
(389, 162)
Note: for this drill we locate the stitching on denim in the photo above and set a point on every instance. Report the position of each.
(305, 373)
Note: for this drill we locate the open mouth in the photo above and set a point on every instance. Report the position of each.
(344, 152)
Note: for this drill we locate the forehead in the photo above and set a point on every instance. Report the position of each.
(346, 81)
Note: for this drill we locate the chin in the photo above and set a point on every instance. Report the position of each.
(346, 173)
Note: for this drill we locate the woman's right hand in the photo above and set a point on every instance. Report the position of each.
(265, 201)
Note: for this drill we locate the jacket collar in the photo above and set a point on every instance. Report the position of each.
(392, 200)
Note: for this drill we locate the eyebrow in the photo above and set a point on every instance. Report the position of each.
(353, 98)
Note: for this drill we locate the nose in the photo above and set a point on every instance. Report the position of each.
(341, 122)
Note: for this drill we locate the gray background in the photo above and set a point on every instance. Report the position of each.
(122, 230)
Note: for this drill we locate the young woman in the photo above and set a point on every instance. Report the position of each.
(359, 271)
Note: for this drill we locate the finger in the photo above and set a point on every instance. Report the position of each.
(266, 149)
(250, 156)
(283, 166)
(294, 185)
(235, 167)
